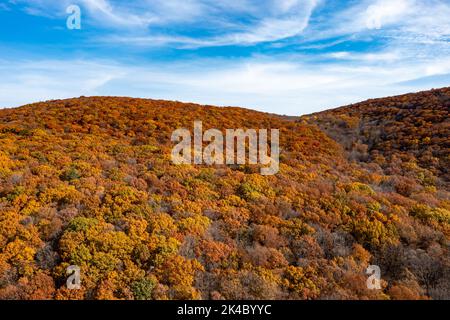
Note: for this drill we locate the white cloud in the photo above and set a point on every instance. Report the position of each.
(397, 19)
(103, 11)
(229, 22)
(386, 12)
(388, 56)
(247, 22)
(282, 86)
(30, 81)
(413, 55)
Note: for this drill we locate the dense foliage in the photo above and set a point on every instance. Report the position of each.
(413, 128)
(89, 182)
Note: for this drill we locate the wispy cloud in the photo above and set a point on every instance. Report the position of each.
(281, 85)
(235, 22)
(103, 11)
(402, 19)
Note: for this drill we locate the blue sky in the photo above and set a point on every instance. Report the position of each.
(284, 56)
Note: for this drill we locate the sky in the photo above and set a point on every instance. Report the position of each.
(289, 57)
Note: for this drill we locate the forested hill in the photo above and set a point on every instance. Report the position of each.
(90, 182)
(408, 128)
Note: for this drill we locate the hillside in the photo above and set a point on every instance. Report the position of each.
(89, 182)
(409, 128)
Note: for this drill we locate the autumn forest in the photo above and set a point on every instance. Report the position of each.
(89, 182)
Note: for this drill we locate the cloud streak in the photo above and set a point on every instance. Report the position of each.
(215, 23)
(281, 85)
